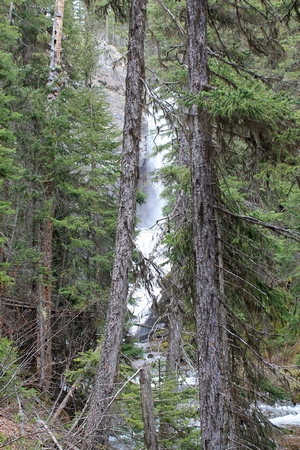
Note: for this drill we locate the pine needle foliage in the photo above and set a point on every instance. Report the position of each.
(74, 146)
(102, 8)
(253, 113)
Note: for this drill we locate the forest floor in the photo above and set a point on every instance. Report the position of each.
(291, 441)
(14, 435)
(21, 432)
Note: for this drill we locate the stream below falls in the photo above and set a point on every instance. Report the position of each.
(287, 418)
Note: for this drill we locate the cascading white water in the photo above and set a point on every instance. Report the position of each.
(151, 211)
(150, 218)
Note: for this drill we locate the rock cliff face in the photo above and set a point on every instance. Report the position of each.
(111, 74)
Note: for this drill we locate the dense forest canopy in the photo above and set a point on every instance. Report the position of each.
(223, 78)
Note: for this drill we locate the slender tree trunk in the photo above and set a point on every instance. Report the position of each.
(176, 308)
(175, 315)
(98, 420)
(44, 355)
(43, 285)
(150, 435)
(11, 8)
(204, 234)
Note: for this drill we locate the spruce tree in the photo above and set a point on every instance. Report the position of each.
(9, 169)
(70, 146)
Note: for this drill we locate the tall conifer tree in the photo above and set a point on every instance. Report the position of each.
(98, 420)
(204, 234)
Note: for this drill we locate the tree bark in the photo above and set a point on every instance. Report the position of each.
(43, 286)
(11, 8)
(56, 49)
(175, 315)
(150, 435)
(98, 420)
(204, 235)
(57, 30)
(176, 307)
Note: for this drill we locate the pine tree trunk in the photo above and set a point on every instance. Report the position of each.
(150, 435)
(176, 306)
(175, 315)
(56, 49)
(11, 8)
(98, 420)
(43, 286)
(204, 235)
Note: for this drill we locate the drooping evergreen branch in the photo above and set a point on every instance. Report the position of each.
(240, 68)
(119, 7)
(273, 367)
(276, 228)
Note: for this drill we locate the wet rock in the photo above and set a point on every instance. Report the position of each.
(144, 332)
(111, 76)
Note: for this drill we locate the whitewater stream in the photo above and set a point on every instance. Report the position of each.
(286, 417)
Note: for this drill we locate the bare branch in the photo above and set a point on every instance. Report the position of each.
(42, 423)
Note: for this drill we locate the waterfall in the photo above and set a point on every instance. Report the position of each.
(150, 224)
(151, 211)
